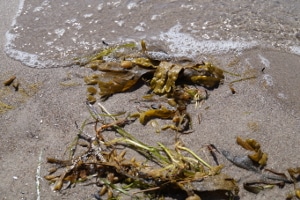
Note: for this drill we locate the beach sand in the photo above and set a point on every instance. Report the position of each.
(44, 112)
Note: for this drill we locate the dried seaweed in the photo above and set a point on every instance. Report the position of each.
(162, 113)
(178, 82)
(258, 186)
(271, 178)
(4, 107)
(258, 157)
(9, 81)
(161, 170)
(295, 176)
(122, 67)
(256, 162)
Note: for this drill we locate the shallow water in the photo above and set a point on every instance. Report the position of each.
(49, 34)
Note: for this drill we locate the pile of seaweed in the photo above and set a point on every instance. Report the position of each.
(159, 170)
(178, 81)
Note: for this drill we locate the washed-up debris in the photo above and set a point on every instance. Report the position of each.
(15, 91)
(257, 162)
(258, 157)
(4, 107)
(9, 81)
(161, 169)
(253, 161)
(121, 75)
(181, 81)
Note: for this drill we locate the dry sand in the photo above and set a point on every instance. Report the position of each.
(45, 111)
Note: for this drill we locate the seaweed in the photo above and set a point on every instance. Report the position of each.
(158, 169)
(162, 113)
(257, 162)
(123, 67)
(258, 157)
(254, 162)
(4, 107)
(15, 92)
(271, 178)
(9, 81)
(161, 169)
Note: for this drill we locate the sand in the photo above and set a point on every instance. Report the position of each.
(42, 121)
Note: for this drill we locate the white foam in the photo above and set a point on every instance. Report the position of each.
(155, 17)
(268, 79)
(140, 27)
(29, 59)
(59, 32)
(281, 95)
(120, 23)
(20, 8)
(89, 15)
(183, 44)
(264, 61)
(26, 58)
(42, 7)
(295, 49)
(100, 6)
(38, 9)
(131, 5)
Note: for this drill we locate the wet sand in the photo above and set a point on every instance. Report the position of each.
(43, 120)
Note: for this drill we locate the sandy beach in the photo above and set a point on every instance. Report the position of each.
(41, 120)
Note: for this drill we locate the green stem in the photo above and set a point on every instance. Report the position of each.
(169, 154)
(193, 154)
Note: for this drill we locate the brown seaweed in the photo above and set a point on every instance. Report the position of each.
(258, 157)
(257, 186)
(162, 113)
(165, 71)
(116, 174)
(255, 162)
(9, 81)
(178, 82)
(165, 75)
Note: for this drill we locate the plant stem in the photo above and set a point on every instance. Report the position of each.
(193, 154)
